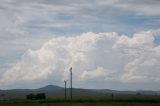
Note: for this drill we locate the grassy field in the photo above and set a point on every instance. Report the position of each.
(84, 100)
(82, 103)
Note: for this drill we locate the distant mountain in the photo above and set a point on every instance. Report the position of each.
(53, 91)
(49, 88)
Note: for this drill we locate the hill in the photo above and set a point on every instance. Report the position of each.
(53, 91)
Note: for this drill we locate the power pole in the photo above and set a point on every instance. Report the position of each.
(65, 90)
(71, 81)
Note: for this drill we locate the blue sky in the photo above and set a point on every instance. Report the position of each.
(28, 25)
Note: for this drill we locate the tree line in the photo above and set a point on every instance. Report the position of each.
(36, 96)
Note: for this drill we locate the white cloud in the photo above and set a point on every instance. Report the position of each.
(27, 24)
(99, 72)
(143, 7)
(21, 19)
(101, 56)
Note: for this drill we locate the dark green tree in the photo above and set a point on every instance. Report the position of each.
(41, 96)
(36, 96)
(30, 96)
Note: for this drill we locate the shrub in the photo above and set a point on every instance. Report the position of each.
(30, 96)
(41, 96)
(36, 97)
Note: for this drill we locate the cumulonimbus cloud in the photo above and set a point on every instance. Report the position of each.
(93, 56)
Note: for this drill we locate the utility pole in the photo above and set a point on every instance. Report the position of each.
(71, 81)
(65, 95)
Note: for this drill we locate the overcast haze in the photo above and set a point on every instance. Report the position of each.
(112, 44)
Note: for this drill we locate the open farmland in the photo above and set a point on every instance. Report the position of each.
(89, 100)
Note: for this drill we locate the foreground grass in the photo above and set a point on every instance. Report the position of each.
(117, 102)
(106, 100)
(83, 104)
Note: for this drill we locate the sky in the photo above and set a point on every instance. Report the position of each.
(112, 44)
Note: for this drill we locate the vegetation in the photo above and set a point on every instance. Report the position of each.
(106, 100)
(36, 97)
(79, 103)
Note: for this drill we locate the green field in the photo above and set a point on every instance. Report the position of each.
(83, 104)
(80, 103)
(86, 100)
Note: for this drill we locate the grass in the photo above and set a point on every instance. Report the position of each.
(86, 100)
(83, 104)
